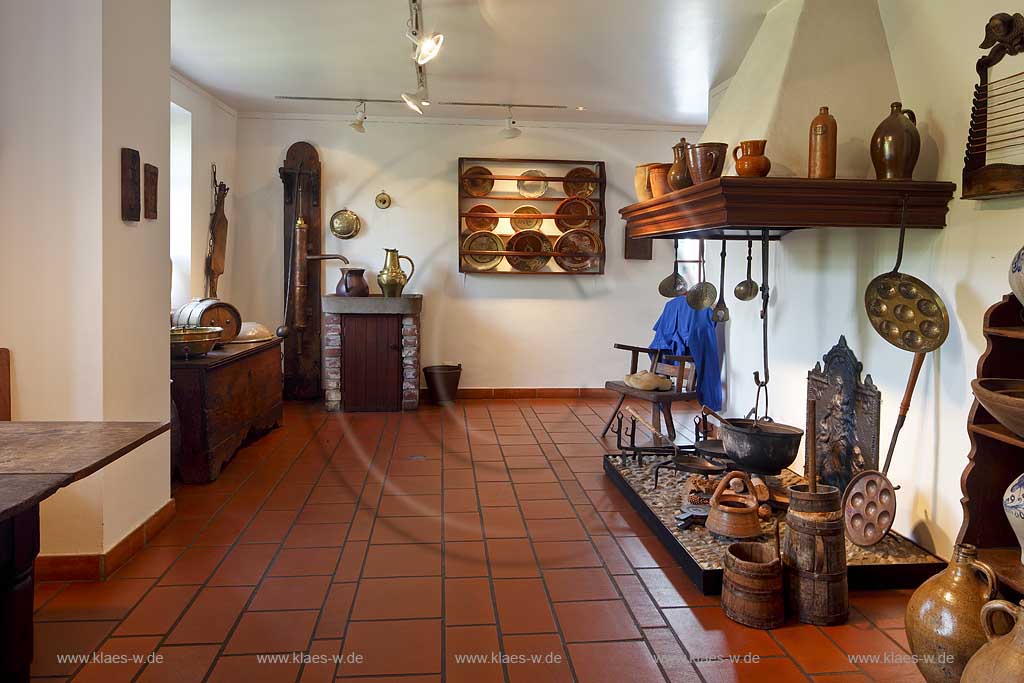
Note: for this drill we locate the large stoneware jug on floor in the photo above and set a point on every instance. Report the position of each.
(1002, 658)
(944, 616)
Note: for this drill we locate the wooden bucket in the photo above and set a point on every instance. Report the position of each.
(752, 585)
(814, 556)
(209, 313)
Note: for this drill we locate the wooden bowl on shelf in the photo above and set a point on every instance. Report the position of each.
(1004, 399)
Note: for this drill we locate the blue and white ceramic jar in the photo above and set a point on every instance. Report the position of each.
(1013, 506)
(1017, 275)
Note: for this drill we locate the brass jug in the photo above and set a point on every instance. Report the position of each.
(392, 279)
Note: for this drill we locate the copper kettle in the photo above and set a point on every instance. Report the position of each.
(734, 514)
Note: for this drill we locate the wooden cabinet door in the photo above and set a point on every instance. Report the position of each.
(371, 364)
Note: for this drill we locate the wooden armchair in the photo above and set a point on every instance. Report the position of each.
(685, 374)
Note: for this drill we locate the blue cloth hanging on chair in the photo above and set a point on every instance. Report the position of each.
(682, 331)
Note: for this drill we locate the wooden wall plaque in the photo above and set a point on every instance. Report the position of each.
(151, 175)
(131, 202)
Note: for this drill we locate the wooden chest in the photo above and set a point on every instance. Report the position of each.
(222, 398)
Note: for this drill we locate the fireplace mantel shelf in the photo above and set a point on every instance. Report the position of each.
(742, 208)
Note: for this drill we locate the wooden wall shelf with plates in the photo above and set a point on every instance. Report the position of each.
(735, 208)
(997, 454)
(531, 216)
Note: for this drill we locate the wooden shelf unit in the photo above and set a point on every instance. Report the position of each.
(504, 191)
(997, 454)
(735, 208)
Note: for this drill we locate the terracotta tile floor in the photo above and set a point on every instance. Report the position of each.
(389, 547)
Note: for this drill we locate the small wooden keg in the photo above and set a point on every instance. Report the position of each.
(752, 585)
(814, 556)
(209, 313)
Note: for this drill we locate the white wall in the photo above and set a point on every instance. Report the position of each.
(818, 277)
(83, 296)
(180, 209)
(508, 331)
(213, 142)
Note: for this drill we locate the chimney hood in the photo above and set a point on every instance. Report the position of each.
(807, 54)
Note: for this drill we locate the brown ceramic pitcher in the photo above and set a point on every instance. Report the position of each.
(943, 617)
(678, 173)
(752, 163)
(706, 160)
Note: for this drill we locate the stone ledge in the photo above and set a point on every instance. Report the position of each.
(409, 304)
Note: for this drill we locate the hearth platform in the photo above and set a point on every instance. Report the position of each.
(896, 562)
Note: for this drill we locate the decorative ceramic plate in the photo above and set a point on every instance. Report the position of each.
(531, 241)
(531, 189)
(580, 182)
(583, 242)
(474, 186)
(345, 224)
(576, 214)
(482, 240)
(481, 222)
(529, 221)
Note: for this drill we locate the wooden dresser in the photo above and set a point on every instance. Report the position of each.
(222, 398)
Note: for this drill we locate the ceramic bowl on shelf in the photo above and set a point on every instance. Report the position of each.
(1004, 399)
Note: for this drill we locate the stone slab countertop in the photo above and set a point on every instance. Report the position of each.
(408, 304)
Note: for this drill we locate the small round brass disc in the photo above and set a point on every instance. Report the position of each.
(906, 312)
(345, 224)
(382, 200)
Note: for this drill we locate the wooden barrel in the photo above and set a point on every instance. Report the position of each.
(752, 585)
(814, 556)
(209, 313)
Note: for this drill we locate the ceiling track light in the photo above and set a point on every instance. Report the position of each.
(419, 99)
(360, 119)
(428, 45)
(510, 130)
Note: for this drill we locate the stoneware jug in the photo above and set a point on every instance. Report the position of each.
(821, 145)
(1002, 657)
(659, 179)
(706, 160)
(1013, 508)
(752, 163)
(1017, 275)
(391, 278)
(352, 283)
(896, 144)
(679, 172)
(943, 617)
(642, 182)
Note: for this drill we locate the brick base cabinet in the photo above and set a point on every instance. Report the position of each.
(387, 373)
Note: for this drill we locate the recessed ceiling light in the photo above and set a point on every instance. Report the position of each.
(581, 108)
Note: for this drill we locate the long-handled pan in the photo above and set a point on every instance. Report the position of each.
(911, 316)
(675, 284)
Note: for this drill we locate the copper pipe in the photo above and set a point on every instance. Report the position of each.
(299, 273)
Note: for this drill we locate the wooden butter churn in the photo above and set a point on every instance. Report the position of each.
(814, 552)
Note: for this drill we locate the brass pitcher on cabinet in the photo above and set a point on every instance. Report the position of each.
(392, 279)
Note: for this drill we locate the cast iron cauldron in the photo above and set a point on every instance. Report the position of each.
(761, 446)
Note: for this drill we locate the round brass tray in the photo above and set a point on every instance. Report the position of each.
(345, 224)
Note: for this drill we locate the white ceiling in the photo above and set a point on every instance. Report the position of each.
(626, 61)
